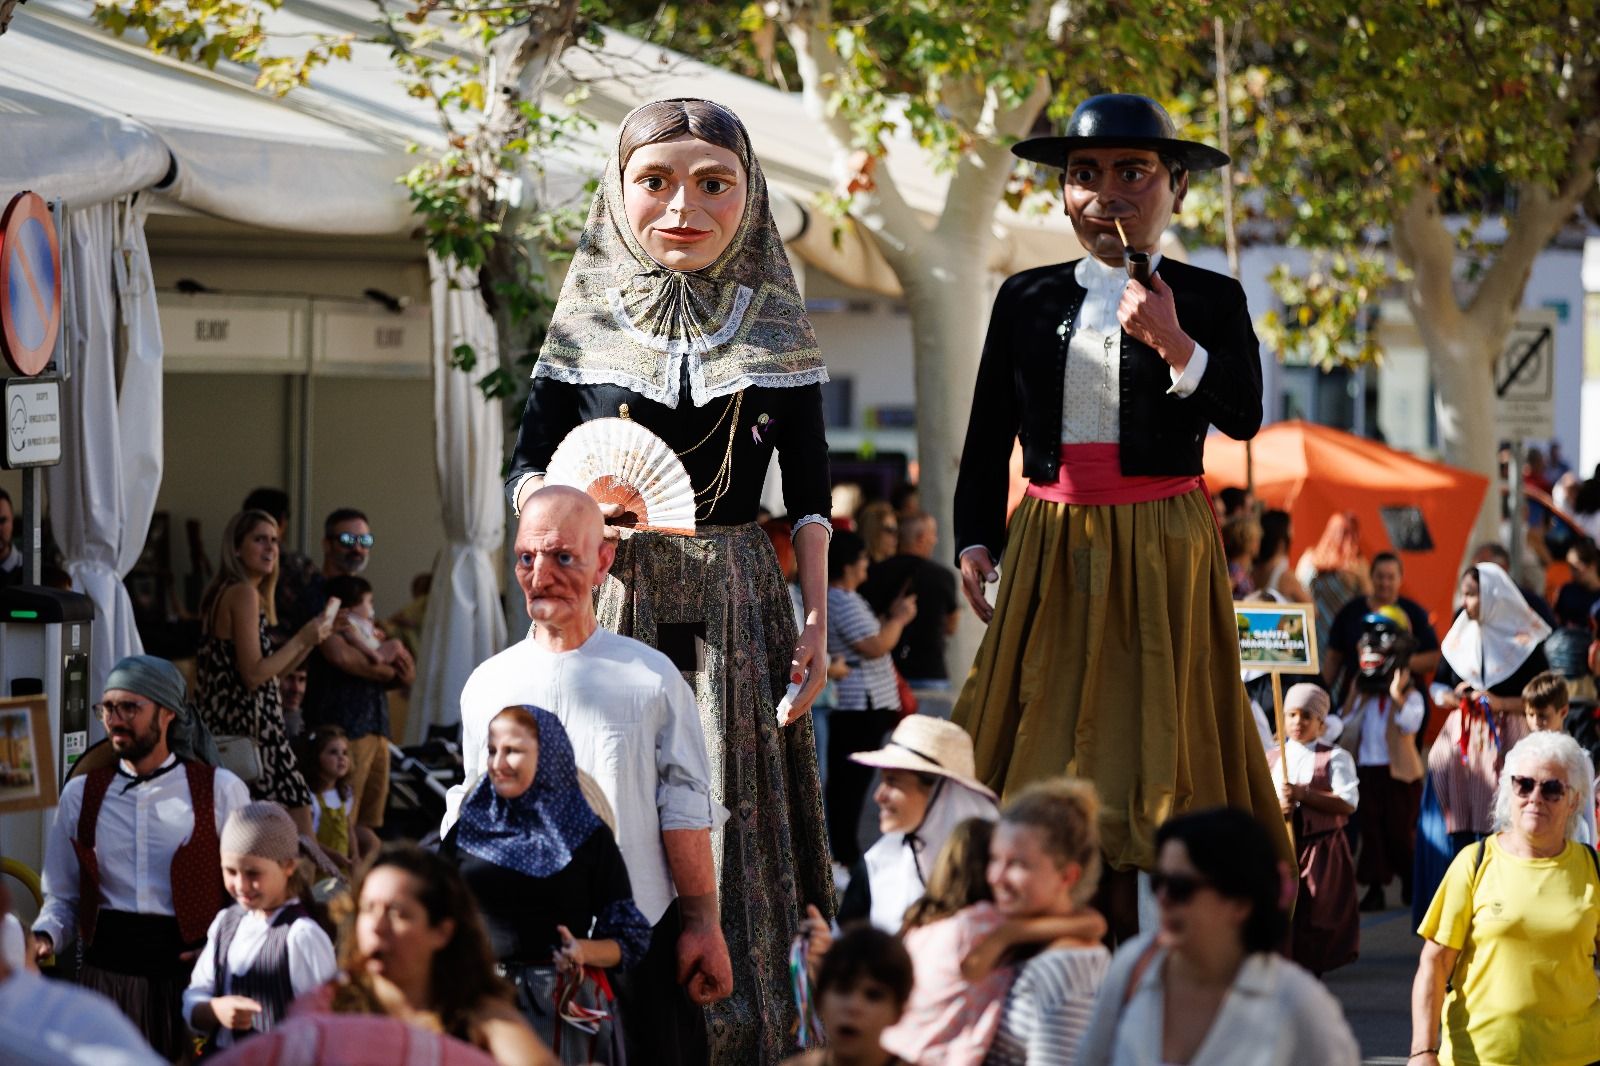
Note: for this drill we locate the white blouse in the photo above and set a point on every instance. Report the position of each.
(1091, 401)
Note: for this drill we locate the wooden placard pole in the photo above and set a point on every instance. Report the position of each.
(1283, 741)
(1278, 638)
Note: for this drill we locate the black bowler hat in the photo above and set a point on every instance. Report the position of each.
(1119, 120)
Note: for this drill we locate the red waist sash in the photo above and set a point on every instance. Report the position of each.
(1092, 474)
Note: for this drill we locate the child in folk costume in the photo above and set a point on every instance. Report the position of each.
(1381, 717)
(326, 765)
(266, 949)
(1320, 794)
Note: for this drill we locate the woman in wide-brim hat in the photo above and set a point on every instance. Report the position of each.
(928, 788)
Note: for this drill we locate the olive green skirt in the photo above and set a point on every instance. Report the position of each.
(1113, 656)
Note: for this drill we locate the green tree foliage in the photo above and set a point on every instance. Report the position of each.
(483, 67)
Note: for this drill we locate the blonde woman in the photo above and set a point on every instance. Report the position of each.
(238, 671)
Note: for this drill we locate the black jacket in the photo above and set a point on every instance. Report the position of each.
(1021, 376)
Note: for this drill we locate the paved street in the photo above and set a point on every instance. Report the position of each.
(1376, 989)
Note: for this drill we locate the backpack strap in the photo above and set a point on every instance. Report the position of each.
(1477, 864)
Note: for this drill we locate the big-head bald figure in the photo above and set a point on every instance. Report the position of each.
(635, 728)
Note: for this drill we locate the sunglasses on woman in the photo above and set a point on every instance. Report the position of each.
(1551, 790)
(1178, 888)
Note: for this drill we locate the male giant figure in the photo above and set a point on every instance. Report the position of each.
(635, 728)
(1111, 651)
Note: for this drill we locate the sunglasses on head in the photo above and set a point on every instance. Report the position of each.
(1552, 790)
(350, 540)
(1177, 888)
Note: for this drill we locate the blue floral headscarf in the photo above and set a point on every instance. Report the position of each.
(537, 832)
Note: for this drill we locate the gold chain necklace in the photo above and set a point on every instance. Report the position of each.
(723, 480)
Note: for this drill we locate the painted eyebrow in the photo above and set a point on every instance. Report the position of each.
(1130, 161)
(699, 171)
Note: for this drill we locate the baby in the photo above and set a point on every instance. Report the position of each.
(362, 630)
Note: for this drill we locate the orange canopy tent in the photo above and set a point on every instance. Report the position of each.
(1313, 471)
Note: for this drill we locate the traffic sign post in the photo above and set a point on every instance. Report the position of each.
(30, 328)
(1525, 406)
(30, 284)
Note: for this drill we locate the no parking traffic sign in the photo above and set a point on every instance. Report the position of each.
(30, 284)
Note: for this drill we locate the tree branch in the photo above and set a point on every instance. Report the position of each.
(901, 235)
(982, 172)
(1539, 217)
(1424, 244)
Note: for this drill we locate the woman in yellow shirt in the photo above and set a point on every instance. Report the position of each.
(1511, 935)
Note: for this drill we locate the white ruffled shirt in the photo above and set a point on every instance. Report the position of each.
(1091, 399)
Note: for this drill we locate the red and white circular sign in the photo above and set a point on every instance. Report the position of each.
(30, 284)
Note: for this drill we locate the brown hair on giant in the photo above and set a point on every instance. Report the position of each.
(667, 120)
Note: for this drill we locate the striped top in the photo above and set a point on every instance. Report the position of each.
(1049, 1008)
(1465, 780)
(870, 682)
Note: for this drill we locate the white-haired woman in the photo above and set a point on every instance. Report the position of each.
(1514, 927)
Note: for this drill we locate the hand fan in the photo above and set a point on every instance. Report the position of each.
(616, 460)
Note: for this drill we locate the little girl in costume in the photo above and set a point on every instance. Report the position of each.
(326, 765)
(267, 948)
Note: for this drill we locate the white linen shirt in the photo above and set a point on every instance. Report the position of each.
(311, 961)
(1303, 764)
(141, 827)
(1275, 1014)
(51, 1023)
(1091, 397)
(1373, 749)
(634, 728)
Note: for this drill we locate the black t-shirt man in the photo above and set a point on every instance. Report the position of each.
(920, 654)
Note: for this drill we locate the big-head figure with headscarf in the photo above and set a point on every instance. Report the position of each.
(680, 311)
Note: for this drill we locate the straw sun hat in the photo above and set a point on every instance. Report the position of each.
(927, 745)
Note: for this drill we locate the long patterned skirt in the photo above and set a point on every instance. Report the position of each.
(717, 603)
(1113, 655)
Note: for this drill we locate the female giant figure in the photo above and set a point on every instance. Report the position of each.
(680, 311)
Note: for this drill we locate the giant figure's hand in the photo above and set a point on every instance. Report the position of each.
(1151, 316)
(977, 570)
(810, 664)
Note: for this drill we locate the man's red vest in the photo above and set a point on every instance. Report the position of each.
(197, 889)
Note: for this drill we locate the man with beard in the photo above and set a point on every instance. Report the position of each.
(344, 687)
(132, 864)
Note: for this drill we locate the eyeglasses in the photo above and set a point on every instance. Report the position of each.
(124, 709)
(1551, 790)
(350, 540)
(1178, 888)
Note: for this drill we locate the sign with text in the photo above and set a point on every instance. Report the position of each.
(223, 333)
(33, 422)
(359, 337)
(1277, 636)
